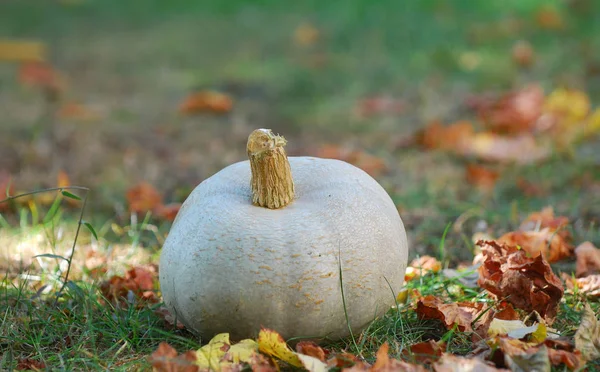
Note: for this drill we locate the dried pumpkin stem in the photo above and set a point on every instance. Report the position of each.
(272, 183)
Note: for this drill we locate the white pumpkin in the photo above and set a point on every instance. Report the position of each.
(231, 265)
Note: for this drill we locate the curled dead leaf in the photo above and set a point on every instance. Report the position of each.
(587, 338)
(460, 314)
(527, 283)
(454, 137)
(454, 363)
(426, 352)
(544, 242)
(143, 198)
(515, 112)
(311, 349)
(588, 285)
(137, 287)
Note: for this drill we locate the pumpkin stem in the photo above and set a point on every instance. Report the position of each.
(272, 183)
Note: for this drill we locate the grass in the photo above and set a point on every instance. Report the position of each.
(133, 62)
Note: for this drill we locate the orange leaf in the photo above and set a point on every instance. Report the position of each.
(589, 285)
(138, 282)
(527, 283)
(546, 242)
(30, 364)
(481, 177)
(523, 149)
(454, 137)
(460, 314)
(311, 349)
(515, 112)
(549, 17)
(206, 101)
(169, 211)
(143, 198)
(426, 352)
(545, 218)
(40, 74)
(166, 359)
(62, 179)
(452, 363)
(368, 107)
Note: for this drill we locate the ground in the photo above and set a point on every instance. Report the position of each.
(358, 76)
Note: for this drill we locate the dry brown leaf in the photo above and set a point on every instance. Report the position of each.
(482, 177)
(22, 51)
(166, 315)
(385, 364)
(206, 101)
(523, 54)
(546, 218)
(587, 338)
(454, 137)
(571, 359)
(371, 164)
(527, 283)
(426, 352)
(311, 349)
(588, 259)
(589, 285)
(545, 242)
(460, 314)
(166, 359)
(143, 198)
(136, 287)
(453, 363)
(28, 364)
(516, 112)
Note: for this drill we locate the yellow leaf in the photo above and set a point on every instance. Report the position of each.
(569, 105)
(22, 51)
(242, 351)
(209, 355)
(272, 344)
(587, 338)
(540, 334)
(592, 126)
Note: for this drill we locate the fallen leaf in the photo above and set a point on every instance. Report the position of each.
(168, 212)
(166, 359)
(572, 360)
(143, 198)
(453, 363)
(523, 54)
(481, 177)
(166, 315)
(533, 360)
(548, 17)
(544, 242)
(587, 338)
(206, 101)
(568, 105)
(220, 354)
(384, 363)
(527, 283)
(272, 344)
(588, 260)
(42, 75)
(136, 287)
(426, 352)
(371, 164)
(22, 51)
(522, 149)
(421, 266)
(306, 34)
(589, 285)
(454, 137)
(311, 349)
(515, 112)
(546, 218)
(460, 314)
